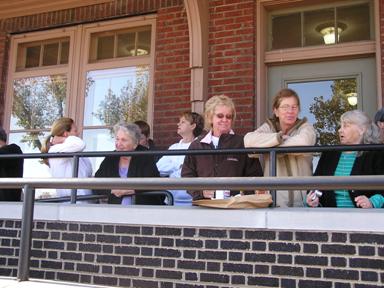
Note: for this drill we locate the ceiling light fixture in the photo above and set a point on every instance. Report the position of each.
(328, 31)
(329, 34)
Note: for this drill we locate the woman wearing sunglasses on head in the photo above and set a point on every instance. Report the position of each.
(219, 117)
(285, 129)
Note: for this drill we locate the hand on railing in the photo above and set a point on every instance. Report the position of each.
(120, 193)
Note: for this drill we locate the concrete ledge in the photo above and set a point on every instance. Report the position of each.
(321, 219)
(6, 282)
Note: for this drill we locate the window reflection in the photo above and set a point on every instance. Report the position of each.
(38, 101)
(323, 102)
(114, 95)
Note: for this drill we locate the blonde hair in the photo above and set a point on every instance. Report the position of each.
(371, 133)
(211, 105)
(61, 125)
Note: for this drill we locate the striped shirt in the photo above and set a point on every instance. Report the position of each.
(344, 168)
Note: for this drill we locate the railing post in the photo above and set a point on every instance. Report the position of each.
(26, 234)
(272, 172)
(75, 170)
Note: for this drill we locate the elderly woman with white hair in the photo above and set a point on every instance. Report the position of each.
(127, 137)
(355, 128)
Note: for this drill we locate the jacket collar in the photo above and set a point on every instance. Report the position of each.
(207, 139)
(275, 125)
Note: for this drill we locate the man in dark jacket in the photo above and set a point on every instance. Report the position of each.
(10, 167)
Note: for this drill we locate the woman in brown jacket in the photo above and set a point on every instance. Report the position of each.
(219, 115)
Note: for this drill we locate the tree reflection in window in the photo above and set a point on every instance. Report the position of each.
(37, 102)
(324, 111)
(124, 98)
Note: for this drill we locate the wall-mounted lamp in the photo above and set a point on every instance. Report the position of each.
(352, 98)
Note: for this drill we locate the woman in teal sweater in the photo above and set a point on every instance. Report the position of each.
(356, 128)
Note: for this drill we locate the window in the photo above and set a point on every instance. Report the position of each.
(123, 43)
(42, 53)
(322, 26)
(82, 74)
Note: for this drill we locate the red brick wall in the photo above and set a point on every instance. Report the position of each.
(232, 56)
(172, 74)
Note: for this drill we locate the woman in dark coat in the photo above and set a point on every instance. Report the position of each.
(355, 128)
(127, 138)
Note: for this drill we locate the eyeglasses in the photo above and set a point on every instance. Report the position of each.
(221, 116)
(286, 108)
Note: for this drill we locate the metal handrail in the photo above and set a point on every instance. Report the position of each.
(273, 151)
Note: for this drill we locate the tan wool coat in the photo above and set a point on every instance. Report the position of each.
(292, 164)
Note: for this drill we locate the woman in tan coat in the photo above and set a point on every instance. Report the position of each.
(285, 129)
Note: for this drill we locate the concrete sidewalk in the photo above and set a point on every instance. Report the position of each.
(37, 283)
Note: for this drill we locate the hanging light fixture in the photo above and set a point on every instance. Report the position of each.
(329, 34)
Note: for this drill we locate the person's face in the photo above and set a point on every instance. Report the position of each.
(287, 112)
(73, 131)
(184, 127)
(222, 120)
(123, 142)
(143, 140)
(350, 133)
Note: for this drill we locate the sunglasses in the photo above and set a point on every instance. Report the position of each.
(221, 116)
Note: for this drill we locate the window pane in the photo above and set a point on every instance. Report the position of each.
(324, 107)
(98, 140)
(314, 24)
(286, 31)
(33, 168)
(356, 21)
(50, 54)
(38, 101)
(105, 46)
(115, 95)
(126, 44)
(144, 43)
(32, 57)
(64, 52)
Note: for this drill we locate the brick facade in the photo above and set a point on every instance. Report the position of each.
(160, 256)
(231, 53)
(232, 57)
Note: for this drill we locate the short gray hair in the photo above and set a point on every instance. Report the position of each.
(132, 130)
(361, 119)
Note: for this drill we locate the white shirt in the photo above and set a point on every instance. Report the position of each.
(62, 167)
(170, 165)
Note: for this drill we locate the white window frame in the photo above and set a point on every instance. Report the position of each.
(78, 66)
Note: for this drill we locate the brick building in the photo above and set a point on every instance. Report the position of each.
(85, 59)
(182, 52)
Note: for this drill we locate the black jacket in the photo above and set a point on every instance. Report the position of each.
(368, 163)
(140, 166)
(9, 168)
